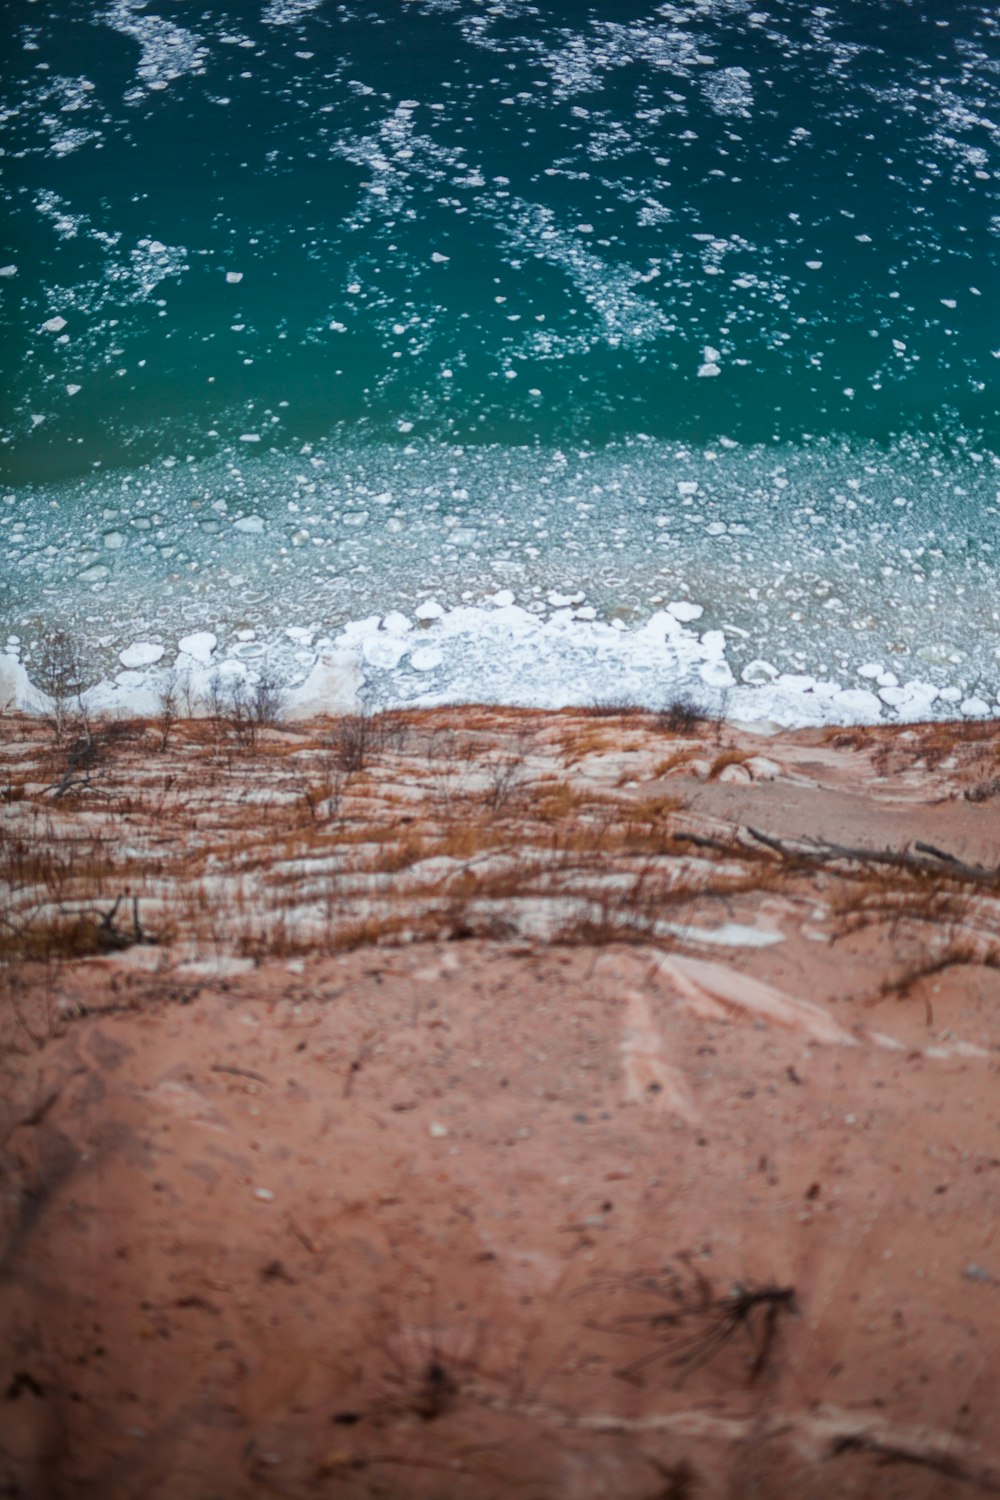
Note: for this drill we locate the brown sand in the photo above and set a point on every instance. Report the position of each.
(468, 1131)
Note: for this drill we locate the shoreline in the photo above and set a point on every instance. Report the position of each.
(550, 657)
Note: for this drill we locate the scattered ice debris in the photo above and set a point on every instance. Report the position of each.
(200, 646)
(141, 654)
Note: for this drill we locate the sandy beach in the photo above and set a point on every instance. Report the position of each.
(479, 1103)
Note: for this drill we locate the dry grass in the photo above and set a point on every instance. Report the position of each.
(327, 835)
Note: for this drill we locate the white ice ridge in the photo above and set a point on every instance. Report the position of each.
(496, 652)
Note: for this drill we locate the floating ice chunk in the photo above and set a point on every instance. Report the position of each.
(717, 674)
(707, 370)
(429, 610)
(298, 633)
(859, 702)
(948, 302)
(73, 390)
(975, 708)
(426, 659)
(871, 669)
(687, 486)
(54, 325)
(912, 700)
(15, 688)
(503, 597)
(113, 540)
(710, 356)
(559, 601)
(140, 654)
(94, 574)
(200, 645)
(685, 611)
(234, 277)
(404, 426)
(8, 270)
(254, 525)
(758, 671)
(383, 650)
(438, 258)
(396, 623)
(814, 265)
(249, 437)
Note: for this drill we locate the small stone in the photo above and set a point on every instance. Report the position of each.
(437, 1130)
(263, 1195)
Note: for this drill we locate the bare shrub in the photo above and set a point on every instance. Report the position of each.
(167, 706)
(267, 696)
(681, 716)
(60, 674)
(357, 736)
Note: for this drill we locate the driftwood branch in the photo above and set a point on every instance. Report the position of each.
(929, 860)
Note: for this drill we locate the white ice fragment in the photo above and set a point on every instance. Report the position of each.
(249, 437)
(687, 486)
(716, 674)
(685, 611)
(759, 671)
(859, 702)
(503, 598)
(254, 525)
(975, 708)
(113, 540)
(336, 327)
(709, 369)
(200, 645)
(438, 258)
(71, 390)
(426, 659)
(54, 325)
(233, 277)
(871, 669)
(8, 270)
(140, 654)
(814, 265)
(711, 356)
(559, 601)
(396, 623)
(948, 302)
(430, 609)
(404, 426)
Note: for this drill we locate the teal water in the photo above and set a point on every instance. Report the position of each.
(312, 309)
